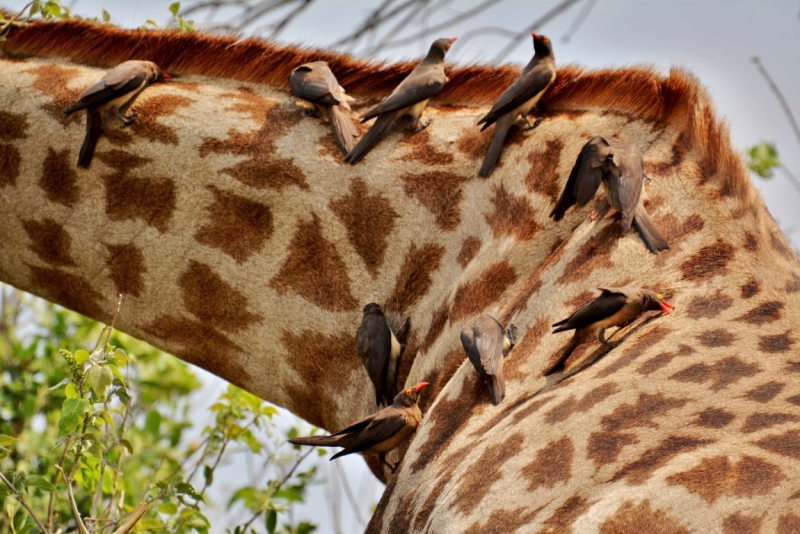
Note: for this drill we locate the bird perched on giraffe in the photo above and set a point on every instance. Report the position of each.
(486, 343)
(379, 351)
(613, 307)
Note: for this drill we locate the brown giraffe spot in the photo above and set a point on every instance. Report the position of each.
(717, 477)
(262, 168)
(739, 523)
(405, 509)
(439, 376)
(542, 177)
(721, 374)
(520, 302)
(437, 324)
(793, 367)
(248, 102)
(765, 392)
(13, 126)
(630, 519)
(528, 410)
(59, 179)
(663, 359)
(151, 199)
(502, 520)
(788, 524)
(603, 448)
(787, 444)
(310, 355)
(314, 270)
(750, 289)
(714, 418)
(10, 160)
(68, 290)
(469, 248)
(553, 464)
(581, 299)
(760, 420)
(448, 418)
(473, 297)
(530, 340)
(778, 241)
(440, 193)
(776, 344)
(794, 400)
(369, 220)
(126, 266)
(50, 242)
(52, 81)
(202, 345)
(593, 254)
(716, 338)
(562, 411)
(709, 261)
(423, 151)
(750, 242)
(640, 470)
(642, 345)
(150, 109)
(512, 216)
(414, 280)
(764, 313)
(474, 143)
(708, 307)
(565, 515)
(237, 226)
(475, 483)
(209, 297)
(642, 413)
(793, 286)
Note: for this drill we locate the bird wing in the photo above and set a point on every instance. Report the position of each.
(490, 347)
(590, 172)
(567, 199)
(316, 83)
(606, 305)
(374, 345)
(424, 82)
(526, 86)
(120, 80)
(625, 185)
(379, 427)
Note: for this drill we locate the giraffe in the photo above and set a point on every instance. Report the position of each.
(243, 244)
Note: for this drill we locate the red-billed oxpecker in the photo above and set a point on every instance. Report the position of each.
(117, 88)
(614, 307)
(519, 99)
(377, 434)
(408, 98)
(485, 343)
(619, 167)
(379, 350)
(315, 83)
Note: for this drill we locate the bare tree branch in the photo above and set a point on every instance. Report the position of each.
(544, 19)
(772, 85)
(576, 24)
(23, 502)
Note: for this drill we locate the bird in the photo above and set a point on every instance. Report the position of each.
(119, 86)
(519, 99)
(377, 434)
(614, 307)
(486, 342)
(408, 98)
(379, 350)
(315, 83)
(619, 166)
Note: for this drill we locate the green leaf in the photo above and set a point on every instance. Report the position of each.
(168, 508)
(187, 489)
(71, 391)
(106, 16)
(107, 418)
(7, 441)
(120, 357)
(51, 389)
(82, 356)
(271, 521)
(305, 528)
(152, 423)
(291, 494)
(36, 481)
(174, 8)
(762, 159)
(72, 412)
(208, 474)
(127, 444)
(99, 377)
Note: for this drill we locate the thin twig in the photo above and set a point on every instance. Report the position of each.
(135, 516)
(75, 512)
(792, 177)
(544, 19)
(23, 502)
(772, 85)
(113, 321)
(576, 24)
(55, 481)
(349, 493)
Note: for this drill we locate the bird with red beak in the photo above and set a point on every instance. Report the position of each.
(615, 306)
(377, 434)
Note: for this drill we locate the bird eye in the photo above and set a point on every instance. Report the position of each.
(408, 392)
(660, 296)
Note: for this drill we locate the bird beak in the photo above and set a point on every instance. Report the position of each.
(666, 307)
(165, 75)
(536, 36)
(453, 40)
(419, 387)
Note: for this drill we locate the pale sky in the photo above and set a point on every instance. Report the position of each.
(714, 40)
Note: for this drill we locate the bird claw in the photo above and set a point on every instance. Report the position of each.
(422, 125)
(127, 121)
(530, 126)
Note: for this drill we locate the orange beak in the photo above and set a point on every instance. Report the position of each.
(666, 307)
(165, 75)
(453, 40)
(536, 36)
(419, 387)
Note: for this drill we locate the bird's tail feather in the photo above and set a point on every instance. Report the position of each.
(317, 441)
(344, 131)
(500, 131)
(559, 364)
(497, 388)
(94, 127)
(651, 237)
(370, 138)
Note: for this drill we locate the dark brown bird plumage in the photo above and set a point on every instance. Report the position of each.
(615, 306)
(619, 167)
(379, 350)
(486, 343)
